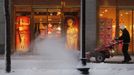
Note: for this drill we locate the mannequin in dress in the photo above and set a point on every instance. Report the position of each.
(72, 35)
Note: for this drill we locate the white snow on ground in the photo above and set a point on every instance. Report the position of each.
(111, 69)
(35, 66)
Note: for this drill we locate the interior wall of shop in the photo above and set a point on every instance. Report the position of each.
(90, 25)
(2, 27)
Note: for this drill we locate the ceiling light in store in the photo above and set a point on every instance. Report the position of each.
(59, 28)
(106, 10)
(126, 13)
(121, 14)
(51, 14)
(58, 13)
(101, 15)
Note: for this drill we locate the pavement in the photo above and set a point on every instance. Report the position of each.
(34, 64)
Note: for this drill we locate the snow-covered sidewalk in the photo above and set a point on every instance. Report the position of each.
(95, 69)
(35, 66)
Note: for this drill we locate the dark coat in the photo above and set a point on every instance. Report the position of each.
(125, 36)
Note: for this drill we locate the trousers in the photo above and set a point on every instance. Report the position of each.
(125, 52)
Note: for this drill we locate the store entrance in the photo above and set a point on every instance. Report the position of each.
(126, 17)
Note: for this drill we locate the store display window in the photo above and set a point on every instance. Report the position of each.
(22, 33)
(107, 24)
(112, 14)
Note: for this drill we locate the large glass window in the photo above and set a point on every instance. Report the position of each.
(125, 17)
(54, 22)
(46, 18)
(107, 24)
(22, 33)
(112, 12)
(46, 23)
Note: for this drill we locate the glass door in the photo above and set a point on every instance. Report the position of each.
(126, 18)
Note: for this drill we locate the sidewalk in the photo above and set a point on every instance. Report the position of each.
(33, 65)
(37, 57)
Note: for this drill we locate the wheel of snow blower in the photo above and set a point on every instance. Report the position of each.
(100, 57)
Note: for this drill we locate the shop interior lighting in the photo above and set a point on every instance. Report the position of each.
(106, 10)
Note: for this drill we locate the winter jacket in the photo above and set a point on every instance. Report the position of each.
(125, 36)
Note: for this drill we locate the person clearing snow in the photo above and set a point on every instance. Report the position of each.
(126, 40)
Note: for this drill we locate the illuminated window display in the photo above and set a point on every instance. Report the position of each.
(44, 23)
(42, 29)
(107, 25)
(72, 35)
(40, 19)
(47, 23)
(125, 17)
(52, 23)
(22, 33)
(50, 29)
(112, 12)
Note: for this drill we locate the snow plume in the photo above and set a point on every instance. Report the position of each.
(53, 50)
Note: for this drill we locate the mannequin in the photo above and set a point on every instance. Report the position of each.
(72, 35)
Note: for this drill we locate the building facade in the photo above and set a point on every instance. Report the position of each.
(2, 27)
(31, 18)
(43, 18)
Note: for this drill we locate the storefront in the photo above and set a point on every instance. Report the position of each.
(38, 17)
(113, 13)
(42, 18)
